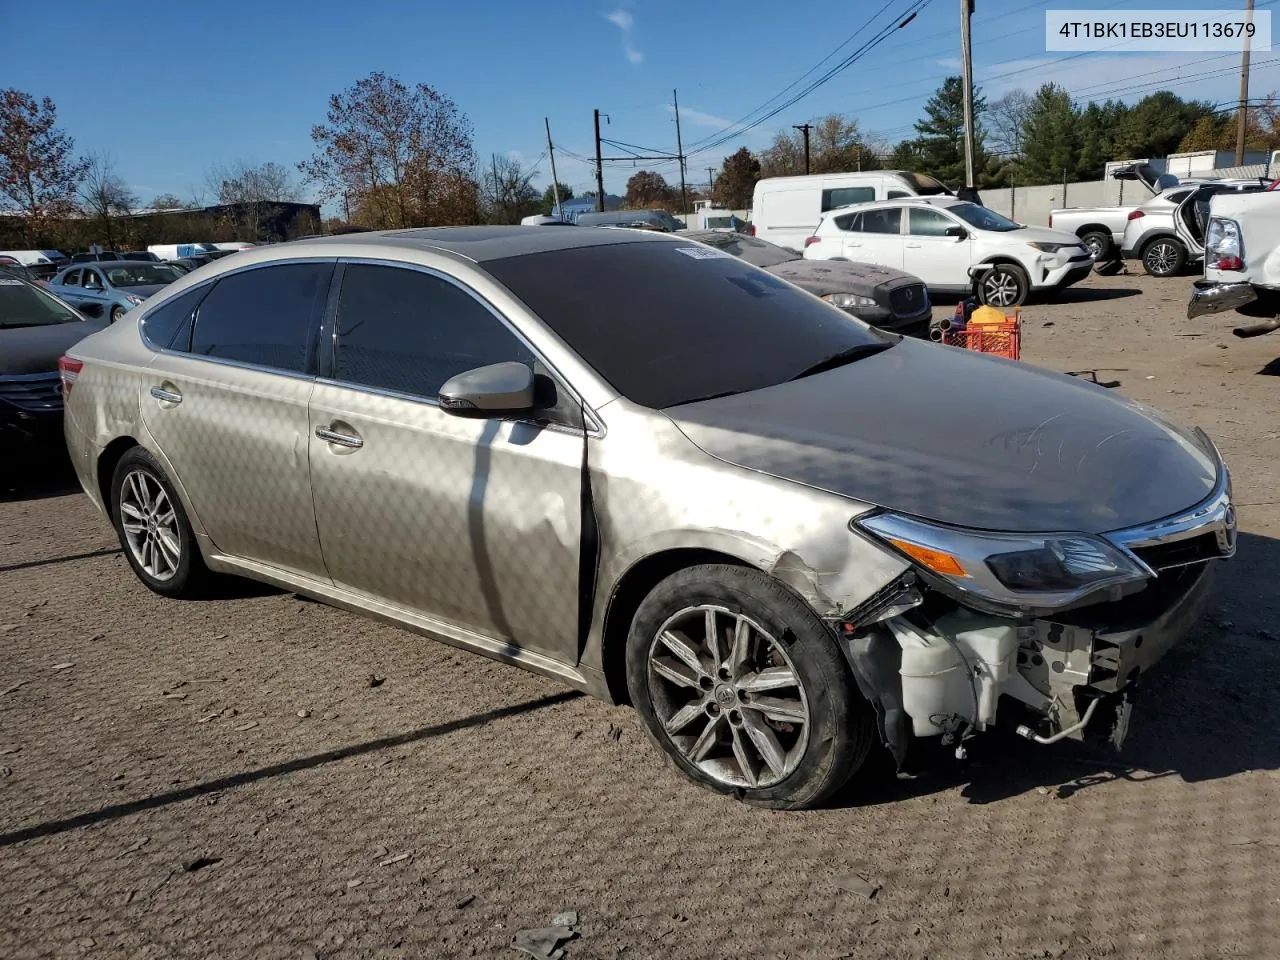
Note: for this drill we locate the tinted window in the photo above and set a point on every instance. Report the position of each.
(409, 331)
(898, 194)
(850, 222)
(71, 279)
(92, 279)
(667, 322)
(887, 220)
(265, 317)
(169, 325)
(839, 196)
(929, 223)
(23, 305)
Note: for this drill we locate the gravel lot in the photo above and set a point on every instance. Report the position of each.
(346, 790)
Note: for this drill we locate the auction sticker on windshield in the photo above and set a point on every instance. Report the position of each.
(1145, 31)
(704, 253)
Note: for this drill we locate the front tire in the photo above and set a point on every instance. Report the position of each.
(153, 528)
(117, 312)
(1164, 257)
(1005, 285)
(743, 688)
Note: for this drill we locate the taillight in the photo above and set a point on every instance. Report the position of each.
(1051, 221)
(1135, 215)
(752, 229)
(68, 369)
(1229, 263)
(809, 241)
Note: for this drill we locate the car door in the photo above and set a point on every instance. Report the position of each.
(226, 404)
(473, 522)
(94, 290)
(69, 288)
(937, 259)
(873, 236)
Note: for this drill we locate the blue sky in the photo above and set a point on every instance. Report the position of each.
(185, 87)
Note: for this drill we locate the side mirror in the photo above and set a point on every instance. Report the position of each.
(500, 389)
(960, 233)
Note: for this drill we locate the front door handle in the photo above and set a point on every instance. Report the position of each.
(166, 396)
(914, 246)
(341, 439)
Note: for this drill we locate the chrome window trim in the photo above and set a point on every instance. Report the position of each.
(241, 365)
(594, 426)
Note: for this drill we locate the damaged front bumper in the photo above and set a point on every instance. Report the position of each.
(1208, 297)
(958, 672)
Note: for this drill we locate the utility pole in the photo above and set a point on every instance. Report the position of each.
(555, 184)
(805, 128)
(684, 193)
(599, 169)
(711, 178)
(1241, 120)
(966, 55)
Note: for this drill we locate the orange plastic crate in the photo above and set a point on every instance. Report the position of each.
(1001, 339)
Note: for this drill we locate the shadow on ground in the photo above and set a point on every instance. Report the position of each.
(1080, 294)
(36, 472)
(1195, 716)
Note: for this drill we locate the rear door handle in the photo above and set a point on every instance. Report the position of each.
(166, 396)
(341, 439)
(913, 245)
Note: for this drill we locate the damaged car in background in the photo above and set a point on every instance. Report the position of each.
(662, 475)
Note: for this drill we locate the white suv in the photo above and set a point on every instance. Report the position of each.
(940, 238)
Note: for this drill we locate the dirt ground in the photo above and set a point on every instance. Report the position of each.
(223, 779)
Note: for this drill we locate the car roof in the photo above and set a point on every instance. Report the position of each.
(937, 200)
(477, 244)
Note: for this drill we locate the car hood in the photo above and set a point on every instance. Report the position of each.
(1043, 235)
(964, 439)
(835, 276)
(37, 349)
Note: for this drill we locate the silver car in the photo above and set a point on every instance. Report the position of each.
(661, 475)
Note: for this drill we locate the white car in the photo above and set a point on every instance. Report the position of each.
(940, 238)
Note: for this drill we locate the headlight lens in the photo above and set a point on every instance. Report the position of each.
(135, 300)
(1016, 570)
(848, 301)
(1044, 247)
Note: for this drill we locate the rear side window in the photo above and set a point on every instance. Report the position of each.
(265, 317)
(888, 220)
(409, 331)
(839, 196)
(169, 325)
(71, 279)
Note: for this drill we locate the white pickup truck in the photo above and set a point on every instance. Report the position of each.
(1241, 260)
(1101, 229)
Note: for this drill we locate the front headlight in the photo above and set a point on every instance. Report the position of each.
(135, 300)
(1040, 571)
(1049, 247)
(848, 301)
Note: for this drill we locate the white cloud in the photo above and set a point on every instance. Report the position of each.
(700, 119)
(623, 20)
(951, 63)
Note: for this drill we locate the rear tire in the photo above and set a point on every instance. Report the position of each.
(154, 532)
(1164, 257)
(768, 711)
(1098, 244)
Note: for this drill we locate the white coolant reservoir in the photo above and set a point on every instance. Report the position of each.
(990, 646)
(935, 681)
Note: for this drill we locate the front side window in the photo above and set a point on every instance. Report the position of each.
(840, 196)
(168, 326)
(265, 317)
(885, 220)
(71, 279)
(929, 223)
(409, 331)
(92, 280)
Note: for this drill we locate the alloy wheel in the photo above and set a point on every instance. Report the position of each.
(150, 525)
(1161, 258)
(1000, 288)
(728, 697)
(1094, 246)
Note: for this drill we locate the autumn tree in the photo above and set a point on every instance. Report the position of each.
(167, 201)
(836, 145)
(737, 180)
(105, 196)
(252, 194)
(1006, 123)
(405, 153)
(646, 188)
(508, 194)
(39, 172)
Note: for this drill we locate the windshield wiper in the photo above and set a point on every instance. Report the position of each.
(848, 355)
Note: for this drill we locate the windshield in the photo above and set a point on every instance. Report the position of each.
(141, 275)
(759, 253)
(981, 217)
(667, 323)
(22, 305)
(925, 185)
